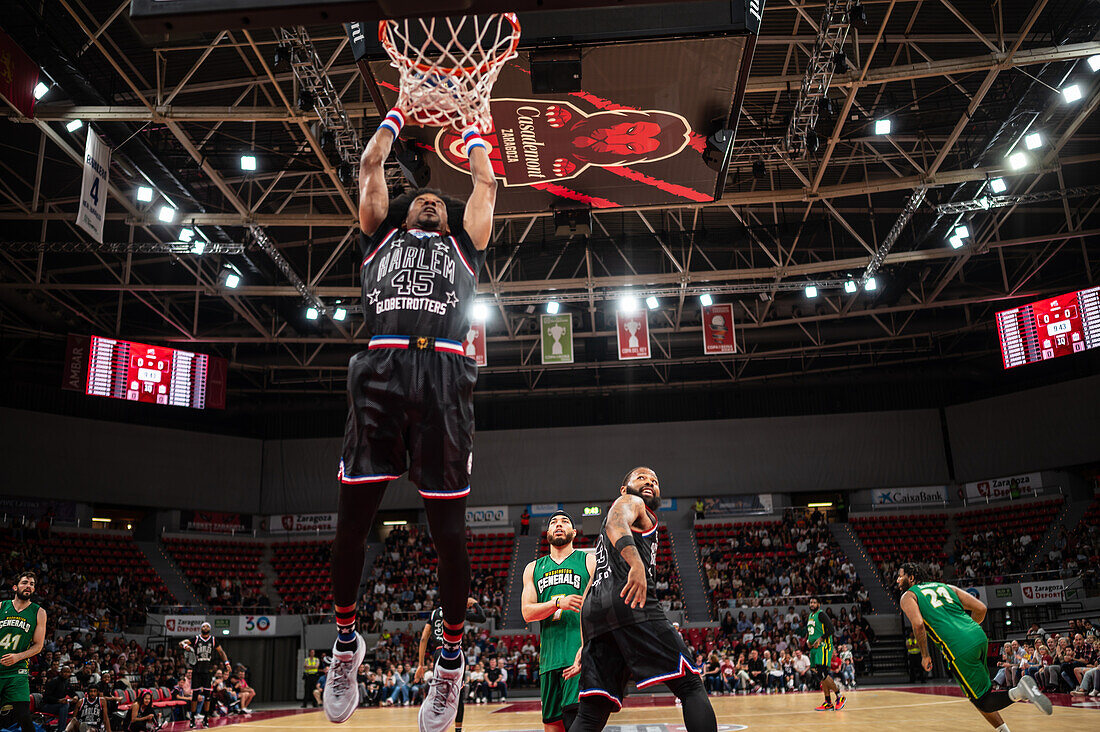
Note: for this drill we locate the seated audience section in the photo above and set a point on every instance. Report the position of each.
(224, 573)
(997, 542)
(892, 538)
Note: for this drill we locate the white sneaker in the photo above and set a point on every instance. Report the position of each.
(440, 706)
(341, 694)
(1029, 690)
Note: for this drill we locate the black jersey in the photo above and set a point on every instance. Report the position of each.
(419, 283)
(90, 713)
(204, 652)
(604, 609)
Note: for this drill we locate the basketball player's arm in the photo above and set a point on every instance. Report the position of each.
(912, 611)
(73, 724)
(374, 198)
(478, 218)
(421, 652)
(971, 604)
(530, 606)
(225, 658)
(474, 612)
(623, 514)
(105, 717)
(37, 643)
(590, 565)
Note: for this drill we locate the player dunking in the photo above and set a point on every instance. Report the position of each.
(953, 618)
(410, 400)
(431, 641)
(22, 636)
(626, 634)
(554, 587)
(204, 645)
(819, 634)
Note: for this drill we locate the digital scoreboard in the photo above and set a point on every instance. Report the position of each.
(1051, 328)
(139, 372)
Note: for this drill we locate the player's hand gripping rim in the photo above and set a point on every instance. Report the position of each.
(635, 588)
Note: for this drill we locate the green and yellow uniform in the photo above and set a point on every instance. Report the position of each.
(16, 636)
(819, 627)
(561, 636)
(963, 642)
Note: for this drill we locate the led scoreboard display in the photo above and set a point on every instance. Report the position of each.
(154, 374)
(1059, 326)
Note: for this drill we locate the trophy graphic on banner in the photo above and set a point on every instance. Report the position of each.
(632, 327)
(471, 336)
(556, 332)
(718, 328)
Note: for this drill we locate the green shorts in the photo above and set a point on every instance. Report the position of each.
(15, 688)
(557, 693)
(823, 654)
(969, 668)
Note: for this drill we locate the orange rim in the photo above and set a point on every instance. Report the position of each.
(392, 52)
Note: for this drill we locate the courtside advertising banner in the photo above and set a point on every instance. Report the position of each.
(93, 189)
(256, 625)
(999, 489)
(633, 333)
(557, 338)
(295, 522)
(474, 344)
(486, 515)
(901, 497)
(1036, 593)
(718, 334)
(186, 625)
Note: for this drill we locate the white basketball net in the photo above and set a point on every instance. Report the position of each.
(448, 65)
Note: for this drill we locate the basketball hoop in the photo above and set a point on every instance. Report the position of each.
(448, 65)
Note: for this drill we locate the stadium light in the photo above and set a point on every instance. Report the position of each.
(998, 185)
(339, 314)
(552, 308)
(167, 214)
(311, 313)
(882, 127)
(232, 280)
(1072, 93)
(956, 242)
(811, 291)
(75, 125)
(1094, 62)
(628, 304)
(850, 286)
(871, 284)
(652, 302)
(1033, 141)
(186, 235)
(198, 247)
(144, 194)
(481, 312)
(40, 90)
(962, 231)
(1018, 160)
(248, 162)
(706, 299)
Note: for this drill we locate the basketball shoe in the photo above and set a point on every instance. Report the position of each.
(440, 706)
(827, 706)
(341, 695)
(1029, 690)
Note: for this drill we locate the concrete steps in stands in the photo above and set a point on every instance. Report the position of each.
(523, 552)
(267, 569)
(882, 600)
(696, 603)
(170, 572)
(1071, 515)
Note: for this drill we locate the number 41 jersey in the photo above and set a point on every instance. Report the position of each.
(419, 283)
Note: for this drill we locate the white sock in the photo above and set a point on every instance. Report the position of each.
(1015, 694)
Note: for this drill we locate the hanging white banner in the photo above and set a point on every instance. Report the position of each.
(93, 189)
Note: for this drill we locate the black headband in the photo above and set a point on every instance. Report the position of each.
(560, 512)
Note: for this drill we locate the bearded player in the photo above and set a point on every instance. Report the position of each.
(554, 587)
(22, 636)
(204, 645)
(626, 634)
(819, 634)
(953, 618)
(410, 400)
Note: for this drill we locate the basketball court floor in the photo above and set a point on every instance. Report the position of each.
(914, 709)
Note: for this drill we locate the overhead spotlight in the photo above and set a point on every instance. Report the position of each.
(248, 162)
(840, 63)
(858, 15)
(1094, 62)
(998, 185)
(811, 291)
(882, 126)
(716, 154)
(1072, 93)
(1018, 160)
(339, 314)
(827, 108)
(305, 100)
(282, 55)
(75, 125)
(706, 299)
(481, 312)
(167, 214)
(956, 242)
(1033, 141)
(759, 170)
(40, 90)
(144, 194)
(229, 279)
(962, 231)
(628, 304)
(198, 247)
(552, 308)
(311, 313)
(186, 235)
(652, 302)
(572, 222)
(850, 286)
(813, 142)
(871, 284)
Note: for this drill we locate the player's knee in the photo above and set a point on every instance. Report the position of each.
(686, 686)
(988, 702)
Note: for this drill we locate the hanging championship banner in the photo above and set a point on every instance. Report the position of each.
(18, 76)
(557, 338)
(474, 344)
(718, 329)
(93, 191)
(633, 332)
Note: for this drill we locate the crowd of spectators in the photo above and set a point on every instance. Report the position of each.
(990, 555)
(231, 597)
(1077, 552)
(770, 564)
(1058, 663)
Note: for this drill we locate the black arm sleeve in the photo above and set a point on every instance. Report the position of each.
(475, 614)
(827, 625)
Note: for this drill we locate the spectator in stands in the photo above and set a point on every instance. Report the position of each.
(478, 689)
(700, 509)
(913, 660)
(58, 695)
(401, 691)
(1003, 665)
(712, 672)
(142, 715)
(524, 523)
(773, 672)
(496, 679)
(847, 667)
(755, 666)
(182, 692)
(238, 684)
(311, 668)
(800, 664)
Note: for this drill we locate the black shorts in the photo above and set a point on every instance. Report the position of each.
(202, 680)
(412, 411)
(651, 652)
